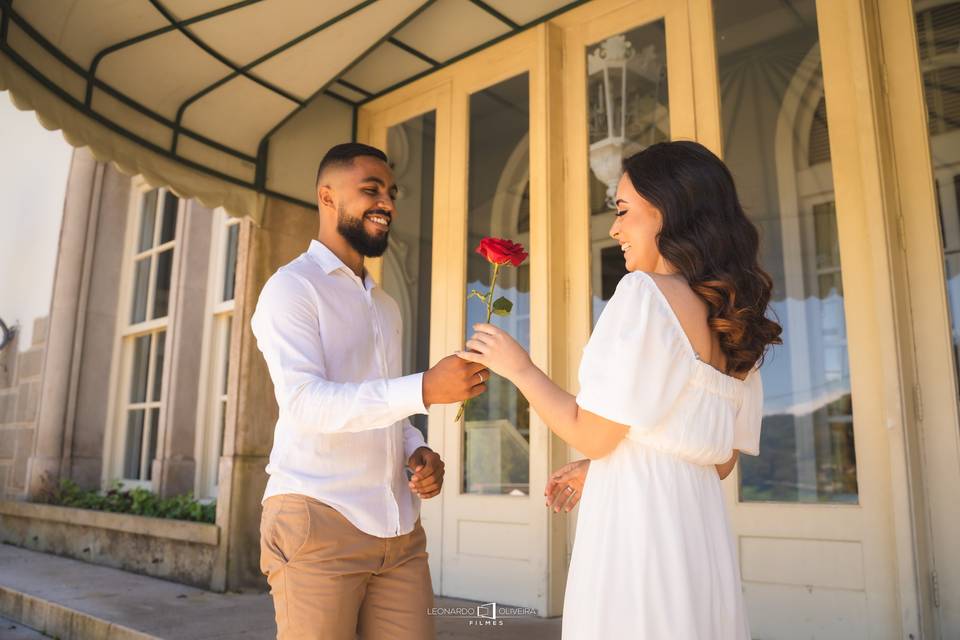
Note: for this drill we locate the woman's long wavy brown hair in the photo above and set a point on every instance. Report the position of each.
(707, 237)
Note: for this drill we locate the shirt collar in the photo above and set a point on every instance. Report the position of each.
(329, 262)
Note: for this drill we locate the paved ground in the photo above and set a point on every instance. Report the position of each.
(71, 599)
(10, 630)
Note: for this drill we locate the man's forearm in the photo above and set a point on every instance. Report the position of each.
(332, 407)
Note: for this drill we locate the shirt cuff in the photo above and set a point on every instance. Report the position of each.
(412, 440)
(406, 394)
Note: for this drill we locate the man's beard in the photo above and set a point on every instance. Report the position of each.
(356, 235)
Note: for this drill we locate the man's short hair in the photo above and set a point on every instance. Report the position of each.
(342, 155)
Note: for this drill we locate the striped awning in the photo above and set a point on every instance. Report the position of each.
(226, 101)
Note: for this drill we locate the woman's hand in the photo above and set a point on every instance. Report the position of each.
(565, 486)
(496, 350)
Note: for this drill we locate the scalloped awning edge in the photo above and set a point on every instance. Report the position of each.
(79, 130)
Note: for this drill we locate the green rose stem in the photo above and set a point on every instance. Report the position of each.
(488, 301)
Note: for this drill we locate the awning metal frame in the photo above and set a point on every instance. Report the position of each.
(8, 14)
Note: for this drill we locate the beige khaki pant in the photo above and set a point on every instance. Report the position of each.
(331, 581)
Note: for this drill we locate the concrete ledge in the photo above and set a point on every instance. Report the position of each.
(59, 621)
(195, 532)
(184, 552)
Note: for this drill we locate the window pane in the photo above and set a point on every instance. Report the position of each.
(776, 145)
(627, 111)
(228, 321)
(496, 446)
(152, 447)
(148, 220)
(141, 278)
(133, 445)
(938, 34)
(158, 366)
(407, 266)
(222, 429)
(169, 229)
(161, 294)
(230, 268)
(141, 365)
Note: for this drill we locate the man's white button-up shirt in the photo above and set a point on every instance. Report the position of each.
(332, 343)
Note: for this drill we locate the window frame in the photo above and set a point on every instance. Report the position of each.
(219, 324)
(126, 332)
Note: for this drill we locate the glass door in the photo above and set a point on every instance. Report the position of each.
(628, 83)
(937, 25)
(487, 531)
(413, 130)
(811, 513)
(490, 547)
(921, 41)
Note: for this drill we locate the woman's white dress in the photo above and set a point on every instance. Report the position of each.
(653, 556)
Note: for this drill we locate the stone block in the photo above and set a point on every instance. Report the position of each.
(18, 474)
(8, 443)
(28, 401)
(8, 365)
(39, 331)
(30, 363)
(4, 472)
(24, 443)
(8, 407)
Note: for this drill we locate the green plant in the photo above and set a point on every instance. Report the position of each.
(136, 501)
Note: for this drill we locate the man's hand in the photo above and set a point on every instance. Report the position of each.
(427, 470)
(565, 487)
(452, 380)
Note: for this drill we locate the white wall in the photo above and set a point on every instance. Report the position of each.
(34, 164)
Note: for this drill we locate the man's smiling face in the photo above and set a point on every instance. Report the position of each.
(365, 193)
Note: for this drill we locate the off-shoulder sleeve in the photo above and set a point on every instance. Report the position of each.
(746, 429)
(635, 366)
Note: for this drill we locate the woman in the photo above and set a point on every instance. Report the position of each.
(669, 395)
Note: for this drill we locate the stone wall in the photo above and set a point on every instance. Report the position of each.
(20, 374)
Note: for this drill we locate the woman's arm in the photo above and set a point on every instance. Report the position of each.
(593, 435)
(725, 468)
(587, 432)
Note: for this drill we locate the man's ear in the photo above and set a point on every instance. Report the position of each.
(325, 197)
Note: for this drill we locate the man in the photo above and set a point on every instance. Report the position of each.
(341, 541)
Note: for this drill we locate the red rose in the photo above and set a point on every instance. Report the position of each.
(500, 251)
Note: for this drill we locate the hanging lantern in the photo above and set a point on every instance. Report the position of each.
(626, 110)
(607, 83)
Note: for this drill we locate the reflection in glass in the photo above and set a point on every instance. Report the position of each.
(161, 292)
(133, 445)
(230, 271)
(627, 111)
(408, 264)
(496, 445)
(161, 343)
(221, 428)
(169, 228)
(228, 330)
(152, 449)
(148, 220)
(938, 37)
(141, 276)
(776, 145)
(141, 360)
(224, 332)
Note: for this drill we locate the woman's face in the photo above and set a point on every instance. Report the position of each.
(635, 227)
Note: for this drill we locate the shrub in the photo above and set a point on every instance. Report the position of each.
(140, 502)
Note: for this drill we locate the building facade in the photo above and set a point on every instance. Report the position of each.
(840, 123)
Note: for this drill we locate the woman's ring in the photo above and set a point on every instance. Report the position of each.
(480, 375)
(570, 489)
